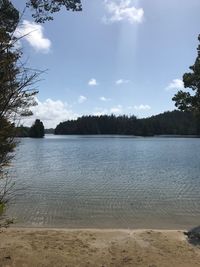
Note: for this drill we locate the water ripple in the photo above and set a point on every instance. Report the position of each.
(107, 182)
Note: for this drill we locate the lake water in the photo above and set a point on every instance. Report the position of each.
(107, 182)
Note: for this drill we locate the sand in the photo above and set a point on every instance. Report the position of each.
(69, 248)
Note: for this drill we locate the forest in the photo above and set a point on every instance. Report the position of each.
(168, 123)
(35, 131)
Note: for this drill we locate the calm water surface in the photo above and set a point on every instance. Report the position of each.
(107, 182)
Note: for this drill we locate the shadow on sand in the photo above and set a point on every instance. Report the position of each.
(194, 236)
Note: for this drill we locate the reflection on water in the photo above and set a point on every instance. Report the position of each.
(107, 182)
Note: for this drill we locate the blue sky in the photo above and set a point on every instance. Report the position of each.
(116, 56)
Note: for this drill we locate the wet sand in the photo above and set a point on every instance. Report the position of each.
(69, 248)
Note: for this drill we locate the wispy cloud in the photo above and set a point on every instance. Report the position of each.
(100, 111)
(142, 107)
(175, 84)
(51, 112)
(82, 99)
(34, 34)
(119, 10)
(92, 82)
(102, 98)
(116, 110)
(121, 81)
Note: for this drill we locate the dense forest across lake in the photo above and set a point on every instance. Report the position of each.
(167, 123)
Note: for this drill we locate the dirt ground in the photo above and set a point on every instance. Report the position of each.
(99, 248)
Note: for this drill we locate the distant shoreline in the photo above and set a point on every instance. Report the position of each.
(129, 135)
(119, 136)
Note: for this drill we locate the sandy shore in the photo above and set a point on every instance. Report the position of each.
(69, 248)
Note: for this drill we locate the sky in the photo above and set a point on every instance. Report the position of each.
(114, 57)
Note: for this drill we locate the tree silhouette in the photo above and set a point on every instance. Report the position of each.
(16, 92)
(37, 129)
(42, 10)
(187, 101)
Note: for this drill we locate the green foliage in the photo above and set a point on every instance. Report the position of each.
(15, 98)
(49, 131)
(9, 17)
(37, 129)
(190, 101)
(175, 122)
(16, 92)
(2, 207)
(43, 9)
(7, 143)
(22, 131)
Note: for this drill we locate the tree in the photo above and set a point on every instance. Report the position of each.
(43, 9)
(7, 145)
(37, 129)
(186, 101)
(16, 92)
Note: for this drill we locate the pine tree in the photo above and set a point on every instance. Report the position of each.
(37, 129)
(186, 101)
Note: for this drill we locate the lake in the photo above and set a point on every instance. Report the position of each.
(107, 182)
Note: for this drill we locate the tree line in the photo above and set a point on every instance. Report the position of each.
(167, 123)
(35, 131)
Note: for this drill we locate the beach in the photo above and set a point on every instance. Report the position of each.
(93, 247)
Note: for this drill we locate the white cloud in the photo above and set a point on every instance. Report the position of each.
(102, 98)
(175, 84)
(121, 81)
(81, 99)
(123, 10)
(142, 107)
(116, 110)
(92, 82)
(50, 112)
(100, 111)
(130, 107)
(34, 34)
